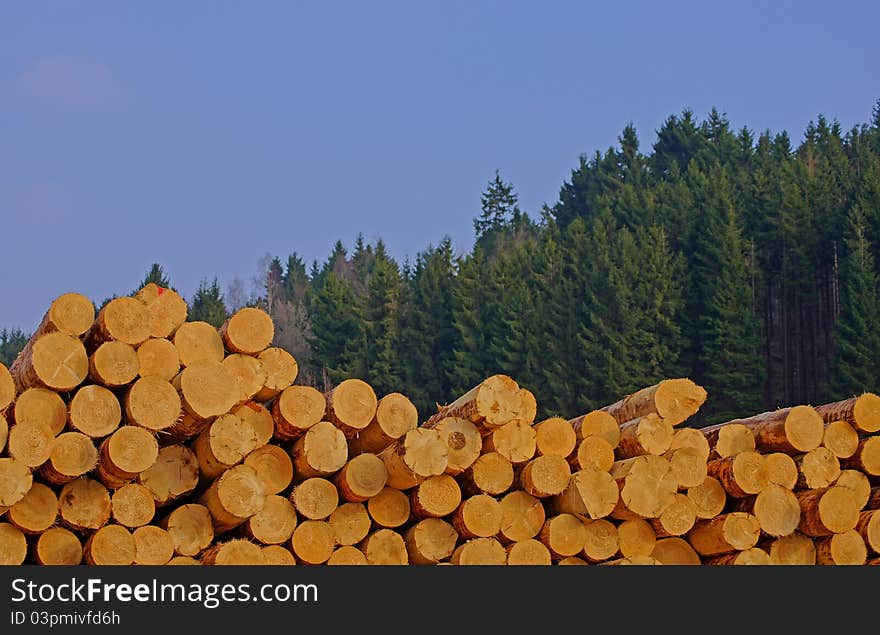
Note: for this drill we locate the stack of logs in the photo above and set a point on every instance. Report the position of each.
(136, 437)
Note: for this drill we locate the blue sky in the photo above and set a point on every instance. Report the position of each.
(206, 134)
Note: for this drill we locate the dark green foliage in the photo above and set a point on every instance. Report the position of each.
(11, 343)
(207, 304)
(155, 275)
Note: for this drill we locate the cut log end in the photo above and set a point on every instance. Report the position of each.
(276, 555)
(110, 545)
(675, 551)
(545, 476)
(777, 511)
(249, 372)
(208, 389)
(564, 535)
(514, 441)
(847, 548)
(390, 508)
(273, 466)
(95, 411)
(597, 423)
(361, 478)
(73, 454)
(15, 481)
(350, 523)
(594, 453)
(125, 454)
(347, 556)
(817, 468)
(479, 516)
(71, 314)
(281, 371)
(153, 403)
(40, 405)
(249, 331)
(322, 451)
(84, 504)
(312, 542)
(646, 435)
(36, 512)
(152, 545)
(114, 364)
(735, 531)
(555, 436)
(708, 498)
(198, 342)
(234, 497)
(522, 516)
(841, 439)
(781, 469)
(529, 552)
(435, 497)
(58, 547)
(30, 443)
(385, 547)
(132, 505)
(635, 538)
(430, 541)
(315, 498)
(677, 519)
(175, 473)
(234, 552)
(13, 545)
(7, 388)
(274, 523)
(352, 405)
(589, 495)
(491, 474)
(794, 549)
(463, 442)
(166, 310)
(296, 410)
(157, 357)
(124, 319)
(647, 488)
(602, 540)
(480, 551)
(190, 528)
(55, 361)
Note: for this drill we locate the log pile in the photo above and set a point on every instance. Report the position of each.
(132, 436)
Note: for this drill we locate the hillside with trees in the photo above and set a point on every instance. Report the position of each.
(745, 261)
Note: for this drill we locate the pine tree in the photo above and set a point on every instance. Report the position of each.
(856, 361)
(733, 371)
(11, 343)
(207, 304)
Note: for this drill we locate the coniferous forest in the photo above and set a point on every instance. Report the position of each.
(745, 261)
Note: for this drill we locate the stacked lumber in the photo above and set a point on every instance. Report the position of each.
(134, 436)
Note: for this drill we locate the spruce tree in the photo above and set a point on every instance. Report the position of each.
(337, 328)
(11, 343)
(856, 361)
(207, 304)
(376, 358)
(155, 275)
(499, 210)
(470, 318)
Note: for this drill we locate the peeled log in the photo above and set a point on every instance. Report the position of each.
(315, 498)
(361, 478)
(478, 517)
(675, 551)
(545, 476)
(385, 547)
(13, 545)
(676, 520)
(781, 469)
(223, 444)
(635, 538)
(832, 510)
(861, 487)
(84, 504)
(776, 509)
(281, 371)
(602, 540)
(463, 443)
(862, 412)
(36, 512)
(259, 418)
(124, 319)
(555, 436)
(646, 435)
(7, 388)
(514, 441)
(15, 482)
(726, 533)
(58, 547)
(593, 453)
(351, 406)
(73, 454)
(248, 331)
(350, 523)
(30, 443)
(152, 545)
(94, 411)
(234, 552)
(496, 401)
(635, 560)
(708, 498)
(490, 474)
(429, 541)
(158, 357)
(841, 438)
(110, 545)
(273, 524)
(753, 556)
(273, 466)
(672, 399)
(728, 439)
(522, 516)
(688, 465)
(597, 424)
(207, 390)
(55, 361)
(421, 454)
(790, 430)
(132, 505)
(647, 486)
(869, 528)
(529, 553)
(322, 451)
(794, 549)
(589, 495)
(70, 313)
(571, 560)
(847, 548)
(395, 416)
(276, 555)
(817, 468)
(125, 454)
(690, 438)
(166, 310)
(866, 458)
(741, 475)
(190, 528)
(249, 372)
(480, 551)
(44, 406)
(174, 473)
(296, 410)
(435, 497)
(347, 556)
(564, 535)
(389, 508)
(152, 403)
(198, 342)
(234, 497)
(113, 364)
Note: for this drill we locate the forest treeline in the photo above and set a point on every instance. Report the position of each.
(742, 260)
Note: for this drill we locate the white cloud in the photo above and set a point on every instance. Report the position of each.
(67, 80)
